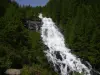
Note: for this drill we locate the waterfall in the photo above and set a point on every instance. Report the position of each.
(58, 54)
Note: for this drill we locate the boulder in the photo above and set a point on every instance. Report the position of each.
(13, 71)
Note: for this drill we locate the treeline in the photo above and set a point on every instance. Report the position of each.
(19, 47)
(79, 21)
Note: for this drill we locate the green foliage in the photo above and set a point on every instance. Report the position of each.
(77, 19)
(76, 73)
(36, 69)
(19, 46)
(25, 70)
(31, 13)
(36, 37)
(79, 22)
(13, 37)
(3, 6)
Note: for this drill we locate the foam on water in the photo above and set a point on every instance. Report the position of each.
(62, 59)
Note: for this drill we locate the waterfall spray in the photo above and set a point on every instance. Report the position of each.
(62, 59)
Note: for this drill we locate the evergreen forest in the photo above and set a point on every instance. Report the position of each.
(78, 21)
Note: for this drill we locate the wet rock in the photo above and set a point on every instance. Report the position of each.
(95, 72)
(58, 68)
(64, 65)
(87, 64)
(58, 56)
(32, 25)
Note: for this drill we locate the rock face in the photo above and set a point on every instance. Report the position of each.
(33, 25)
(13, 71)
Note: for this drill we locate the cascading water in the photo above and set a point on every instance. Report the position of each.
(57, 53)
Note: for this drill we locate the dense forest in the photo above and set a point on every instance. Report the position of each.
(79, 21)
(21, 48)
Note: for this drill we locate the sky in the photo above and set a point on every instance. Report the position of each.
(32, 2)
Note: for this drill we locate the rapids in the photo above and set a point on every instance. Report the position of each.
(58, 54)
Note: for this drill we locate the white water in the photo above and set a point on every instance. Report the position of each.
(61, 57)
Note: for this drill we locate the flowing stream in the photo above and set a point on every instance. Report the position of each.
(58, 54)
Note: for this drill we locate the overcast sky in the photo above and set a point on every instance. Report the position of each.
(32, 2)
